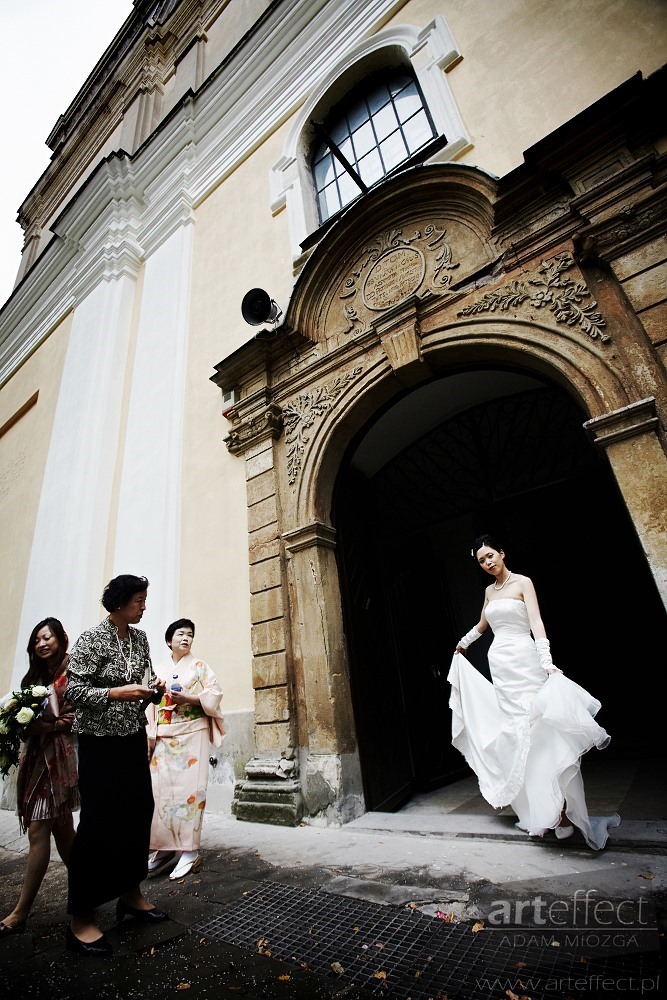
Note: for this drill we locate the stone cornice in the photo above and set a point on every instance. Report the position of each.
(309, 535)
(630, 421)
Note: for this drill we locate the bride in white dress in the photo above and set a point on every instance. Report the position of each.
(524, 734)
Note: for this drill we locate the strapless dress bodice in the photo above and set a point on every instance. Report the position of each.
(507, 616)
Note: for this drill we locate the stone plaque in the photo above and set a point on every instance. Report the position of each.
(394, 276)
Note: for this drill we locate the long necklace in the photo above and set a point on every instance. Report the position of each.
(506, 580)
(127, 660)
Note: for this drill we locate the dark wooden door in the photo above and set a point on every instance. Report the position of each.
(375, 676)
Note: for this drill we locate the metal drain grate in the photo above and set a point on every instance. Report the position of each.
(404, 953)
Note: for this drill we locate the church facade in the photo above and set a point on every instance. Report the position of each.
(311, 294)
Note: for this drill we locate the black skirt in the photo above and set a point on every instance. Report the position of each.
(109, 855)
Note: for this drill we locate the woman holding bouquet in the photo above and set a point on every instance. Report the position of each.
(47, 789)
(110, 682)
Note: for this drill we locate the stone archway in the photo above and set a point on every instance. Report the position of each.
(508, 454)
(411, 284)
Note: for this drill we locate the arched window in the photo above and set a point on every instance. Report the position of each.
(383, 105)
(377, 127)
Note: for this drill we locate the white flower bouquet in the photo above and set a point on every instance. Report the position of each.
(17, 710)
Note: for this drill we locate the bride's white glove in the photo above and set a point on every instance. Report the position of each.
(544, 652)
(472, 636)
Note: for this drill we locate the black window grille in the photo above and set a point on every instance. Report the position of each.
(377, 127)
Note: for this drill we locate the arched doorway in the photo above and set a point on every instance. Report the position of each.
(483, 450)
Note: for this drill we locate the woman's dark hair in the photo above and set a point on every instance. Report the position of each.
(483, 540)
(181, 623)
(43, 671)
(121, 590)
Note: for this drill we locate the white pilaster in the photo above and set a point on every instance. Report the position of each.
(148, 526)
(65, 572)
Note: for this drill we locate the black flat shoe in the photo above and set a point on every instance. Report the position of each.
(7, 929)
(93, 949)
(153, 916)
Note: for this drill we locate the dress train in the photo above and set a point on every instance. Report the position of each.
(524, 734)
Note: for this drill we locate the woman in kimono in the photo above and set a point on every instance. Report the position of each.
(524, 734)
(46, 786)
(181, 728)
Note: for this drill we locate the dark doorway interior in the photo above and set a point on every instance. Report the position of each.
(523, 467)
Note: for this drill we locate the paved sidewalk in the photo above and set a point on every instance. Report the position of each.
(384, 906)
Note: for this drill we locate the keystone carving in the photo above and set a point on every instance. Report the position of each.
(393, 268)
(561, 295)
(300, 414)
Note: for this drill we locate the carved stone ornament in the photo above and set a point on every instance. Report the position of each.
(561, 295)
(393, 268)
(267, 423)
(300, 414)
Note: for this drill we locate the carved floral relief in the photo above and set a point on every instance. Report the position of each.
(560, 294)
(300, 414)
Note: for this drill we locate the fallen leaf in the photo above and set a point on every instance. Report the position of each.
(648, 877)
(337, 968)
(183, 986)
(477, 927)
(284, 978)
(379, 975)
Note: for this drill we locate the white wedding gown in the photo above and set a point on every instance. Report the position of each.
(524, 735)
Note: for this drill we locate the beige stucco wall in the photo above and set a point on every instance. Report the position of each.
(237, 245)
(23, 450)
(577, 52)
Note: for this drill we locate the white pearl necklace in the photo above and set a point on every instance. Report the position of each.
(126, 659)
(506, 580)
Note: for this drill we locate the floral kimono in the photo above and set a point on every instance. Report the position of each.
(47, 781)
(181, 736)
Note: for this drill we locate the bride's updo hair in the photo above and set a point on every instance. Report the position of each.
(489, 540)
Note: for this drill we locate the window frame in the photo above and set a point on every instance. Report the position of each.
(339, 115)
(430, 53)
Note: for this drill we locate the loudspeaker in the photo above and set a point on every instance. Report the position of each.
(258, 307)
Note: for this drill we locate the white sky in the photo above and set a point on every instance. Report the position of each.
(48, 49)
